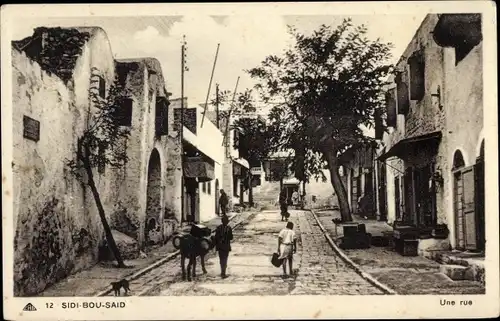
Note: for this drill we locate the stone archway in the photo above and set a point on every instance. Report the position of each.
(153, 199)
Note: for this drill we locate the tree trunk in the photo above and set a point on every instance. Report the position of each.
(102, 215)
(338, 186)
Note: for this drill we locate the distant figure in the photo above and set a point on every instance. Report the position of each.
(223, 202)
(295, 198)
(364, 206)
(223, 238)
(283, 205)
(287, 246)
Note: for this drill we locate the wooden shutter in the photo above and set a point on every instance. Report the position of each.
(379, 126)
(403, 101)
(417, 76)
(391, 108)
(468, 207)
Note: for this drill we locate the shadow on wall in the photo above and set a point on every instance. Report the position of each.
(42, 255)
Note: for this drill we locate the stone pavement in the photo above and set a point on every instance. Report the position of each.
(98, 278)
(322, 271)
(405, 275)
(319, 271)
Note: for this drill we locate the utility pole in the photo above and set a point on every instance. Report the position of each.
(181, 129)
(217, 104)
(210, 84)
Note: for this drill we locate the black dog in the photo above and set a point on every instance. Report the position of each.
(120, 284)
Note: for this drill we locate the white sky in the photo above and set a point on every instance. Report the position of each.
(244, 41)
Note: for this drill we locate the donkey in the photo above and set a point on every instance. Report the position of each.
(190, 248)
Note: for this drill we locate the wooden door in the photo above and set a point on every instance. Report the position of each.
(382, 192)
(409, 215)
(217, 209)
(469, 208)
(480, 201)
(459, 220)
(397, 198)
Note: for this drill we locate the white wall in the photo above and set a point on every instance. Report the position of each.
(209, 141)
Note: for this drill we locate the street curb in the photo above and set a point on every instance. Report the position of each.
(155, 264)
(357, 268)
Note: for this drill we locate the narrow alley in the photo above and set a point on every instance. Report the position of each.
(319, 270)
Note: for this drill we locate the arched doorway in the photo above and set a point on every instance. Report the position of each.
(153, 195)
(480, 199)
(217, 209)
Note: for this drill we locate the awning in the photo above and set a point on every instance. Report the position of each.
(203, 145)
(196, 167)
(400, 147)
(243, 162)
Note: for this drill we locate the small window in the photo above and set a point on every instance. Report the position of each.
(102, 87)
(209, 188)
(124, 113)
(204, 187)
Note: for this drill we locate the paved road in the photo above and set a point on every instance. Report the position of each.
(319, 270)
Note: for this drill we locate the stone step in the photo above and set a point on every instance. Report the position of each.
(474, 273)
(454, 272)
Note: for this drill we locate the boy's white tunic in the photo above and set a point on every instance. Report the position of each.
(286, 247)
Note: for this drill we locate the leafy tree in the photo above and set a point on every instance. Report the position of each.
(253, 141)
(324, 88)
(102, 145)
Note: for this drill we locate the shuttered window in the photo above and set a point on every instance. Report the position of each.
(123, 114)
(417, 76)
(403, 102)
(391, 108)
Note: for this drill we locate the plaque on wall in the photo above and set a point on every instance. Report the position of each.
(31, 128)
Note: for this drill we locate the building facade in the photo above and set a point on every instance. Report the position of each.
(358, 176)
(58, 228)
(431, 164)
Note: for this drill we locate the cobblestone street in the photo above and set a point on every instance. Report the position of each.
(319, 270)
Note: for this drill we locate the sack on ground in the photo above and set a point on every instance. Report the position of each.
(275, 260)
